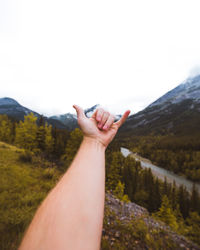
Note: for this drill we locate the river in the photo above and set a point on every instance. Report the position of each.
(161, 173)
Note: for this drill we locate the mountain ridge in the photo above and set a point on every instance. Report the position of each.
(176, 112)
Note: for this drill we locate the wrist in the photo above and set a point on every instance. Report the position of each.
(94, 142)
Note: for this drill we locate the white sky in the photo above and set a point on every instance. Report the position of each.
(121, 54)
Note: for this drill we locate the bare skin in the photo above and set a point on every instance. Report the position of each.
(71, 217)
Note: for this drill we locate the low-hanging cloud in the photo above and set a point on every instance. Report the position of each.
(195, 71)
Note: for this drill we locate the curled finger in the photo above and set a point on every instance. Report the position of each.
(109, 122)
(99, 114)
(103, 119)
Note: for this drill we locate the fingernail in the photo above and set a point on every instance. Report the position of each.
(98, 118)
(105, 127)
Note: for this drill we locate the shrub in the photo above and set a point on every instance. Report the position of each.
(26, 156)
(49, 173)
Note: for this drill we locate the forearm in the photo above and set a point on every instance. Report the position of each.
(71, 217)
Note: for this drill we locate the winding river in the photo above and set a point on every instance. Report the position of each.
(161, 173)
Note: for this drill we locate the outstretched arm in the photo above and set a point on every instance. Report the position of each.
(71, 217)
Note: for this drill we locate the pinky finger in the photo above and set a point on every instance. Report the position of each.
(123, 118)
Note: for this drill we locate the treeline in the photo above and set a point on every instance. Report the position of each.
(172, 204)
(34, 135)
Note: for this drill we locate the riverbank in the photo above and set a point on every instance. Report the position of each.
(160, 172)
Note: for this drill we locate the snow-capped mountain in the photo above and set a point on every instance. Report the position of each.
(176, 112)
(89, 112)
(70, 120)
(189, 89)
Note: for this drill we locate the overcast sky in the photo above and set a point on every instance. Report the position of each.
(121, 54)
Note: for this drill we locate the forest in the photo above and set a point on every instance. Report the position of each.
(124, 176)
(179, 154)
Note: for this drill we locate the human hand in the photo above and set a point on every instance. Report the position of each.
(101, 126)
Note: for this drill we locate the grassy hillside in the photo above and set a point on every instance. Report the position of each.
(24, 183)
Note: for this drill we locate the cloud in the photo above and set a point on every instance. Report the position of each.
(195, 71)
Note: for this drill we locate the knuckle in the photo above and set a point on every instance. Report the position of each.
(100, 110)
(113, 118)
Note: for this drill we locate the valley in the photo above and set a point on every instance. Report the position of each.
(162, 173)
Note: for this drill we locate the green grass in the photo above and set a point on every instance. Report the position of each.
(23, 186)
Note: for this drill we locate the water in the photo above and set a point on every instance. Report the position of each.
(161, 173)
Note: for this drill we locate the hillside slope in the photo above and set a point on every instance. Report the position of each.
(129, 226)
(25, 181)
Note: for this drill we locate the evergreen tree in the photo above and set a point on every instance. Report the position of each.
(194, 200)
(119, 192)
(183, 201)
(26, 132)
(154, 196)
(131, 176)
(114, 171)
(166, 214)
(193, 222)
(40, 138)
(73, 145)
(49, 140)
(173, 196)
(6, 129)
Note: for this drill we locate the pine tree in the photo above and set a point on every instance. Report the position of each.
(193, 222)
(166, 214)
(114, 170)
(194, 200)
(131, 176)
(40, 138)
(119, 192)
(73, 145)
(183, 201)
(26, 132)
(6, 132)
(49, 140)
(154, 196)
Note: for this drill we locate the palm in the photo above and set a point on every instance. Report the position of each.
(90, 129)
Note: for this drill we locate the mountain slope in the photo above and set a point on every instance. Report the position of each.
(14, 110)
(129, 226)
(177, 112)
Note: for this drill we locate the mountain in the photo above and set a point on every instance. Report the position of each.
(190, 90)
(13, 109)
(70, 120)
(177, 112)
(16, 111)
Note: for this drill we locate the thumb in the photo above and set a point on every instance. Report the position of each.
(79, 111)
